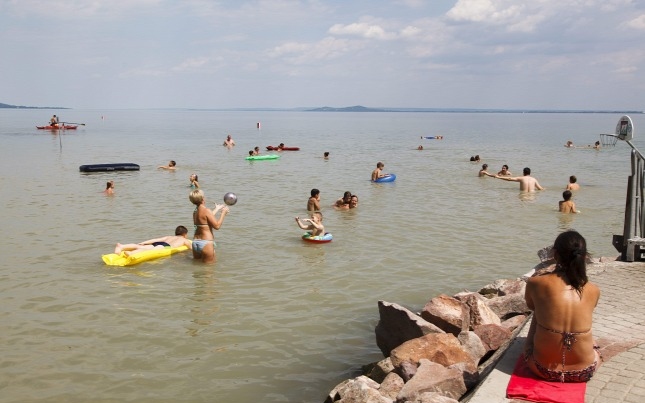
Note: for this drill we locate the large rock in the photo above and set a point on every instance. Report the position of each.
(447, 313)
(473, 345)
(357, 390)
(432, 397)
(433, 377)
(442, 348)
(379, 370)
(493, 336)
(398, 325)
(508, 305)
(514, 322)
(391, 385)
(480, 313)
(469, 372)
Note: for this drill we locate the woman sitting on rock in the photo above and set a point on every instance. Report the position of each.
(559, 346)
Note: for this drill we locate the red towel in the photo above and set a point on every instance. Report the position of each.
(526, 386)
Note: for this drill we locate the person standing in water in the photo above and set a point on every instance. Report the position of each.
(205, 221)
(527, 182)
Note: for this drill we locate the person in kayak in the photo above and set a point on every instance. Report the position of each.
(53, 121)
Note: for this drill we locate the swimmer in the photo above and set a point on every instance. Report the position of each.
(313, 204)
(378, 172)
(172, 165)
(572, 185)
(504, 171)
(527, 182)
(567, 206)
(109, 188)
(170, 241)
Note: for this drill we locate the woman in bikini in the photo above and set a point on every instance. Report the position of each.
(205, 221)
(559, 346)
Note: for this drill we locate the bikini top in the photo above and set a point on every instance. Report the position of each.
(196, 224)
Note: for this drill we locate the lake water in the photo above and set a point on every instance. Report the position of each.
(275, 319)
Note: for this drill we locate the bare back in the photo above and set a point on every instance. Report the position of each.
(558, 308)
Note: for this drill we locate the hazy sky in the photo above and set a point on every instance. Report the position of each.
(515, 54)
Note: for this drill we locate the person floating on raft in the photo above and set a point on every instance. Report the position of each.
(170, 241)
(315, 229)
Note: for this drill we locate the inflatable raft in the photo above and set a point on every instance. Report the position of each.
(317, 239)
(124, 166)
(272, 148)
(121, 259)
(263, 157)
(386, 178)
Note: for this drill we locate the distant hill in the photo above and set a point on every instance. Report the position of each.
(359, 108)
(356, 108)
(7, 106)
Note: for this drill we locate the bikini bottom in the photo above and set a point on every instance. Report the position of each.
(199, 244)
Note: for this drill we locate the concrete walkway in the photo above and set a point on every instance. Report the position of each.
(619, 330)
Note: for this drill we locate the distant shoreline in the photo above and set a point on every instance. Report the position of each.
(355, 109)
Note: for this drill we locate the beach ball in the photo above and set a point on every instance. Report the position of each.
(230, 199)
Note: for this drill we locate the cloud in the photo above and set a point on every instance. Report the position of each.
(637, 23)
(191, 64)
(74, 9)
(306, 53)
(143, 72)
(363, 30)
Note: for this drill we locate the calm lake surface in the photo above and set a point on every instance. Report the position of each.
(275, 319)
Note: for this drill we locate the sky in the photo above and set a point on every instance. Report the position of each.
(499, 54)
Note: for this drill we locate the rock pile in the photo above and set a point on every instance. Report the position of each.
(438, 354)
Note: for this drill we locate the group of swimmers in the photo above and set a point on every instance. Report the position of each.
(596, 145)
(530, 184)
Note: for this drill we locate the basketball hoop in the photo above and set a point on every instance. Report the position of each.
(608, 140)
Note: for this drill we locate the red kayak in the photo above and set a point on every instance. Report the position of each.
(63, 127)
(272, 148)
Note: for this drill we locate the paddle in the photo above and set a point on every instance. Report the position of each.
(72, 123)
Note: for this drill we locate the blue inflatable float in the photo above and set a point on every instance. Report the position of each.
(386, 178)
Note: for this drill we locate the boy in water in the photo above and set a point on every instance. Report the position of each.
(313, 204)
(315, 226)
(572, 185)
(170, 241)
(566, 205)
(172, 165)
(378, 172)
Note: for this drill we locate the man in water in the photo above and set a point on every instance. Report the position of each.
(229, 142)
(527, 182)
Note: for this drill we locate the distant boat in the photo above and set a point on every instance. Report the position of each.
(60, 127)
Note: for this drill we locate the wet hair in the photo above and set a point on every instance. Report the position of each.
(566, 195)
(256, 148)
(527, 171)
(172, 163)
(380, 164)
(196, 197)
(356, 196)
(484, 166)
(250, 152)
(570, 249)
(573, 179)
(505, 166)
(181, 230)
(315, 192)
(110, 184)
(347, 195)
(326, 154)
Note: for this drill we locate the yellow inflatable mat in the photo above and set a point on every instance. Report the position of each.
(121, 259)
